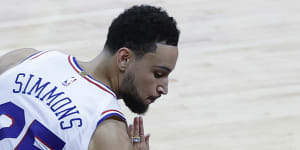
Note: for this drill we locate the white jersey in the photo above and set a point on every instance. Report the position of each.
(48, 102)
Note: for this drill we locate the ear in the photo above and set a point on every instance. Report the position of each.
(124, 56)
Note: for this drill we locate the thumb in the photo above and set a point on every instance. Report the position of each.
(147, 139)
(130, 130)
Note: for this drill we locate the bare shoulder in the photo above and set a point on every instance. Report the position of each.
(111, 134)
(14, 57)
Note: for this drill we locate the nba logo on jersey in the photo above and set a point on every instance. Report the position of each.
(69, 81)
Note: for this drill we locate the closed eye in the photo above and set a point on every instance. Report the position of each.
(158, 74)
(161, 71)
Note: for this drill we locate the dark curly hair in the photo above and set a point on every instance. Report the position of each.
(140, 28)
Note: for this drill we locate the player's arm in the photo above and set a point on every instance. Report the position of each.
(113, 135)
(15, 57)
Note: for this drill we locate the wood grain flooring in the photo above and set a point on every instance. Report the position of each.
(237, 81)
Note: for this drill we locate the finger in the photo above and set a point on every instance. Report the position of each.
(141, 128)
(147, 139)
(130, 130)
(136, 127)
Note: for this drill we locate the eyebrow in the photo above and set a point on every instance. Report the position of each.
(164, 68)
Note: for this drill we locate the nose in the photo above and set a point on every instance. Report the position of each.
(163, 88)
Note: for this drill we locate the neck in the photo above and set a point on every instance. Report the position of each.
(102, 68)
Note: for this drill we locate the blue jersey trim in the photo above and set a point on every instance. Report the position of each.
(77, 65)
(31, 56)
(109, 115)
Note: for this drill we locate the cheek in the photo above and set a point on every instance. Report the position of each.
(145, 84)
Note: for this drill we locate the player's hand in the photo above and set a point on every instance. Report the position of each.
(136, 131)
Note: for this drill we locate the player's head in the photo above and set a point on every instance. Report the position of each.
(144, 41)
(140, 28)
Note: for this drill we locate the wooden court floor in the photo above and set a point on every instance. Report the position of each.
(237, 81)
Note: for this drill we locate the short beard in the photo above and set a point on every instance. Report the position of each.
(132, 99)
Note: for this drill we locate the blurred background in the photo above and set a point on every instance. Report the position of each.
(236, 85)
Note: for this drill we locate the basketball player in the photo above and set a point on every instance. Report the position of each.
(50, 100)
